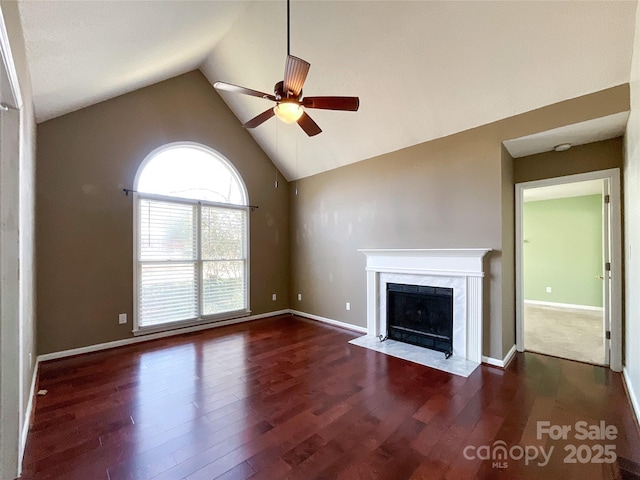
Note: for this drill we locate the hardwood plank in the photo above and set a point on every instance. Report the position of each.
(289, 398)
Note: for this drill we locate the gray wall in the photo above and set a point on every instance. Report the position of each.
(85, 224)
(455, 191)
(580, 159)
(451, 192)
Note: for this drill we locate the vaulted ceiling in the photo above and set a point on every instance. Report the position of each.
(422, 69)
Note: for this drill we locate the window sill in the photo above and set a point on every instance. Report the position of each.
(201, 322)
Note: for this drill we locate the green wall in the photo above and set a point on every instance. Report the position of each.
(563, 250)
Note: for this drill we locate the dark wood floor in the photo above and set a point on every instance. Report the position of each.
(290, 398)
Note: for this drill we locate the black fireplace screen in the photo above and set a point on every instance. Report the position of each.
(421, 316)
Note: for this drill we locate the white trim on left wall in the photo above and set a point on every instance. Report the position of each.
(12, 440)
(10, 65)
(28, 411)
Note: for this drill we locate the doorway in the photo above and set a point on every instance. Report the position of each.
(568, 267)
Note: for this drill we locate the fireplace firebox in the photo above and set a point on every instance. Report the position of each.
(421, 315)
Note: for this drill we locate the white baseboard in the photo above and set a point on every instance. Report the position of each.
(564, 305)
(504, 363)
(154, 336)
(635, 406)
(27, 418)
(488, 360)
(330, 321)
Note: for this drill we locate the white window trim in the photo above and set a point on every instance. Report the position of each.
(137, 197)
(168, 146)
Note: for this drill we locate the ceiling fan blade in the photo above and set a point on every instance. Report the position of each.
(310, 127)
(227, 87)
(350, 104)
(260, 119)
(295, 73)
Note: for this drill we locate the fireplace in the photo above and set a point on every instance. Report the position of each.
(421, 315)
(457, 271)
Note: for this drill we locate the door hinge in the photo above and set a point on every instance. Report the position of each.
(607, 199)
(608, 334)
(607, 266)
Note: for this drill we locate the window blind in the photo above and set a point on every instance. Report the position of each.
(192, 261)
(223, 259)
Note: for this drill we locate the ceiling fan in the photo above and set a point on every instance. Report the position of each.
(287, 94)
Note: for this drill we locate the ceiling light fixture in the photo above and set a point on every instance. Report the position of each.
(288, 112)
(563, 147)
(290, 105)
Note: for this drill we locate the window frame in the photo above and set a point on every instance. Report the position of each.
(140, 196)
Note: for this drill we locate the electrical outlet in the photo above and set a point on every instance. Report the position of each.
(548, 289)
(122, 318)
(299, 297)
(348, 306)
(274, 297)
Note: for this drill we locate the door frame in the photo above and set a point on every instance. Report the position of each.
(11, 330)
(615, 235)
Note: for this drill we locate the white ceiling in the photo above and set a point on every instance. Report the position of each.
(84, 52)
(422, 69)
(565, 190)
(595, 130)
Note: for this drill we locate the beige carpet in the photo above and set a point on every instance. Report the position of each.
(567, 333)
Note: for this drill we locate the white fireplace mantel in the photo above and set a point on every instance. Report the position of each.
(459, 269)
(447, 261)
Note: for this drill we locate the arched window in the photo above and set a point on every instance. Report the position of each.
(191, 227)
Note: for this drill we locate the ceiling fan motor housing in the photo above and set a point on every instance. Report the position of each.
(280, 94)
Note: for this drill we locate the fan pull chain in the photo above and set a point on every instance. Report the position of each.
(297, 168)
(277, 151)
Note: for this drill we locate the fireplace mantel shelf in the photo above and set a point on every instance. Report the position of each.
(427, 252)
(466, 262)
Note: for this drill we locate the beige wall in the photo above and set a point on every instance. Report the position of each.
(20, 370)
(85, 226)
(580, 159)
(451, 192)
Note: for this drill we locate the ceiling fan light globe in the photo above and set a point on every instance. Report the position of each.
(288, 112)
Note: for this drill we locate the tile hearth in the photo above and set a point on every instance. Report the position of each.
(423, 356)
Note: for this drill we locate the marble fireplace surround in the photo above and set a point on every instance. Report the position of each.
(460, 269)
